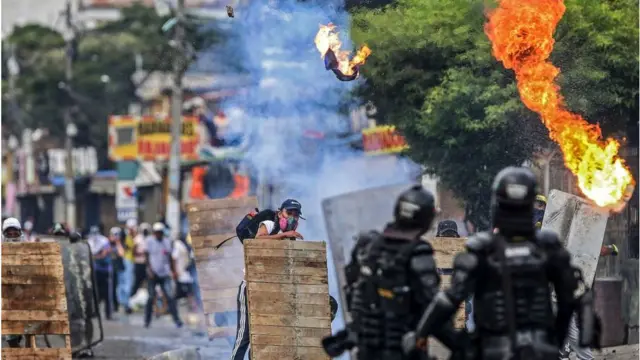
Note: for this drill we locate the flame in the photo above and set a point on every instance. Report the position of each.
(521, 34)
(327, 38)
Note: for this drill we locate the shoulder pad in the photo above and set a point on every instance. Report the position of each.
(548, 239)
(422, 247)
(479, 242)
(365, 237)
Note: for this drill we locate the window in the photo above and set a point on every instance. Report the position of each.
(124, 136)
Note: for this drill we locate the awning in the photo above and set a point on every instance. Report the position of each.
(148, 175)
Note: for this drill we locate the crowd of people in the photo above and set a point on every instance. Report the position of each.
(126, 258)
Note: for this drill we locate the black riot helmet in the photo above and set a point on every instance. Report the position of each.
(513, 196)
(415, 209)
(74, 237)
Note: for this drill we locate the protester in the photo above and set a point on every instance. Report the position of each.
(126, 279)
(116, 252)
(183, 258)
(12, 232)
(160, 269)
(267, 224)
(140, 267)
(28, 233)
(101, 252)
(447, 228)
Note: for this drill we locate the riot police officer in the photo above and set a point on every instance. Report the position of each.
(391, 278)
(509, 272)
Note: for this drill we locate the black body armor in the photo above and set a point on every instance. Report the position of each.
(392, 279)
(510, 280)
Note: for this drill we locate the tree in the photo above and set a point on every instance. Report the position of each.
(102, 84)
(432, 74)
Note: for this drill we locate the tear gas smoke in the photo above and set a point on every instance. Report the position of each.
(292, 93)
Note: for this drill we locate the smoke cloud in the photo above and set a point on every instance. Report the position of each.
(292, 93)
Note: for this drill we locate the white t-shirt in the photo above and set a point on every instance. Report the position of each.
(269, 225)
(180, 255)
(97, 243)
(140, 244)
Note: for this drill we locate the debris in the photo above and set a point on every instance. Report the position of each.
(230, 11)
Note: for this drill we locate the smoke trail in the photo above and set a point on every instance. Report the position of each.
(293, 93)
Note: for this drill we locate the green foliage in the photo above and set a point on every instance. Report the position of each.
(108, 50)
(432, 74)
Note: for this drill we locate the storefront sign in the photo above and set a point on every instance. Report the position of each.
(122, 138)
(126, 200)
(149, 139)
(154, 139)
(383, 140)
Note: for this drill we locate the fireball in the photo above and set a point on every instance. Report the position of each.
(521, 34)
(327, 39)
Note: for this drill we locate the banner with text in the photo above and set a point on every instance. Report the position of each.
(148, 138)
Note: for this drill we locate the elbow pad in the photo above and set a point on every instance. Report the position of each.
(437, 314)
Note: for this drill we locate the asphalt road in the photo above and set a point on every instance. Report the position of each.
(126, 338)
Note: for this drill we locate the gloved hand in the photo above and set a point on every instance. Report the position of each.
(409, 343)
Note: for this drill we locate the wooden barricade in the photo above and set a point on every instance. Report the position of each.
(33, 299)
(288, 293)
(445, 249)
(219, 258)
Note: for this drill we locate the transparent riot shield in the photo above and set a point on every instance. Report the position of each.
(219, 258)
(82, 301)
(348, 214)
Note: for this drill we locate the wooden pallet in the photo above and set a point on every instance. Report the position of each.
(211, 222)
(288, 295)
(33, 299)
(445, 250)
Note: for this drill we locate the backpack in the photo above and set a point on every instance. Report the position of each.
(248, 226)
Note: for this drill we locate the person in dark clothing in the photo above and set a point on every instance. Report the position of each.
(117, 263)
(101, 252)
(447, 228)
(139, 267)
(391, 277)
(279, 225)
(510, 272)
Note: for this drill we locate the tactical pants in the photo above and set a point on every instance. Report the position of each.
(242, 333)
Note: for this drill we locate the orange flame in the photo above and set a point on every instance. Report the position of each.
(521, 33)
(327, 38)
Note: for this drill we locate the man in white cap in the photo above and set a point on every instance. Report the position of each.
(160, 271)
(12, 230)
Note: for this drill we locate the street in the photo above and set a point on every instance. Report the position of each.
(126, 338)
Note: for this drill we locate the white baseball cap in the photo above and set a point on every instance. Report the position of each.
(132, 223)
(158, 226)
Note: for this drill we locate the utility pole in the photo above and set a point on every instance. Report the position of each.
(172, 215)
(69, 181)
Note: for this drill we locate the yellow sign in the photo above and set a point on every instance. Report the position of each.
(383, 140)
(149, 139)
(123, 138)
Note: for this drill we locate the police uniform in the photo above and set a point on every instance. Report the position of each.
(509, 272)
(391, 278)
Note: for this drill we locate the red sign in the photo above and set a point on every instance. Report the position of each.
(383, 140)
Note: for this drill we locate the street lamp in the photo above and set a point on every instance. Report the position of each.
(69, 181)
(105, 79)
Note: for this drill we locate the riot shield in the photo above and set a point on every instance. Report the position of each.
(348, 214)
(219, 258)
(82, 301)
